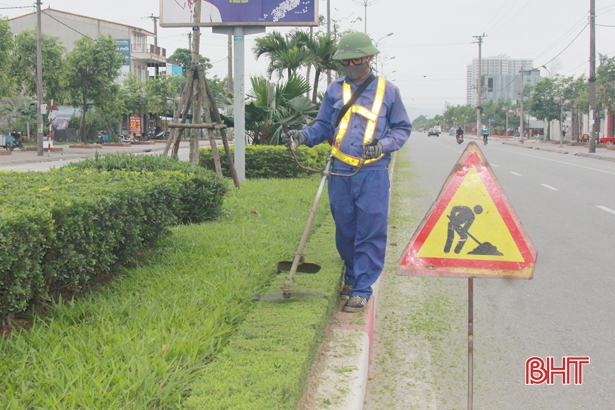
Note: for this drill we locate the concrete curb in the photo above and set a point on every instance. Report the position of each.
(562, 151)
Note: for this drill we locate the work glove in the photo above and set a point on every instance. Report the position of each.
(293, 136)
(372, 150)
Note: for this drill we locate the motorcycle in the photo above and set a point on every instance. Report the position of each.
(459, 138)
(13, 140)
(151, 135)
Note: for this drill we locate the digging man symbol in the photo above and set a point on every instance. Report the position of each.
(460, 220)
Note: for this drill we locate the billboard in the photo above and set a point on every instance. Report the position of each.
(178, 13)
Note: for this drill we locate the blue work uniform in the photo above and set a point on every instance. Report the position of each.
(360, 204)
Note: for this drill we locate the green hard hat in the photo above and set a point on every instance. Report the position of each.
(355, 45)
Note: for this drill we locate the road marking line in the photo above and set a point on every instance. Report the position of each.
(550, 187)
(604, 208)
(514, 173)
(493, 165)
(554, 160)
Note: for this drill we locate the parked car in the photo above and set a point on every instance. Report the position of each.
(433, 131)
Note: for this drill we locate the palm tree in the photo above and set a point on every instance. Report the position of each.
(274, 105)
(285, 52)
(321, 48)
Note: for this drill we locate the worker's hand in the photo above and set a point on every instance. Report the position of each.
(293, 137)
(372, 151)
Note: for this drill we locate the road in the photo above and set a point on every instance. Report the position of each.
(567, 205)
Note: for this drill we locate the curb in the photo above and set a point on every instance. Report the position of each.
(343, 381)
(563, 151)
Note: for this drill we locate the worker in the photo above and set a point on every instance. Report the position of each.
(374, 125)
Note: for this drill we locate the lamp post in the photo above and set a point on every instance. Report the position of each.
(506, 129)
(376, 45)
(561, 102)
(384, 60)
(394, 71)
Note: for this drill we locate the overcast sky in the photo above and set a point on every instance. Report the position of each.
(432, 42)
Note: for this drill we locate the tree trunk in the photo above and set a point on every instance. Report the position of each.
(307, 76)
(315, 90)
(82, 131)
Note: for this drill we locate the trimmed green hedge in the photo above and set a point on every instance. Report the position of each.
(60, 229)
(271, 161)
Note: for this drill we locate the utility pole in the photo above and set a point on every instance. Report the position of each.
(190, 41)
(39, 82)
(230, 65)
(329, 34)
(592, 76)
(521, 125)
(155, 19)
(479, 86)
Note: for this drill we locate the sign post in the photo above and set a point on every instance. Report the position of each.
(471, 231)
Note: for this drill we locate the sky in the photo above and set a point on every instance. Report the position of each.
(431, 45)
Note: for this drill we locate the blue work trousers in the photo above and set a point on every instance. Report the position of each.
(360, 208)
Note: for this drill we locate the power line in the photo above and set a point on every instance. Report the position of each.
(569, 44)
(64, 24)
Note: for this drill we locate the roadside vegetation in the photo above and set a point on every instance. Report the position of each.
(159, 333)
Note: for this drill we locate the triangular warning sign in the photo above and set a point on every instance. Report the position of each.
(471, 229)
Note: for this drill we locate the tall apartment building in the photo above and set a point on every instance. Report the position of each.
(501, 79)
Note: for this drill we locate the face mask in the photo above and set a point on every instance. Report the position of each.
(356, 71)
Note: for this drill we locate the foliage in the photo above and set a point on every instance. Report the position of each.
(183, 57)
(17, 114)
(24, 65)
(93, 222)
(321, 49)
(267, 361)
(276, 104)
(95, 120)
(605, 84)
(162, 91)
(7, 81)
(92, 68)
(272, 161)
(145, 341)
(286, 52)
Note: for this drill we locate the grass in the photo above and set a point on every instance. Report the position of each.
(154, 336)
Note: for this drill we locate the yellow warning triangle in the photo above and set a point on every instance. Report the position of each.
(471, 229)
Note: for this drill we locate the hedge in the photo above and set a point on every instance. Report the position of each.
(271, 161)
(60, 229)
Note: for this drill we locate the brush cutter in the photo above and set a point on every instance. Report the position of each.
(298, 263)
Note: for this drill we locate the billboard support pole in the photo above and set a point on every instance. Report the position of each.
(239, 108)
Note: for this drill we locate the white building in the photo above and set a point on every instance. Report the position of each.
(499, 74)
(69, 27)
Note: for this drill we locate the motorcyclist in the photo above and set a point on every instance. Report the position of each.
(485, 134)
(459, 133)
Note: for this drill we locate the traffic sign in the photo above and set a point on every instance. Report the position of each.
(471, 229)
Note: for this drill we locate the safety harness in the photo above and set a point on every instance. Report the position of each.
(370, 115)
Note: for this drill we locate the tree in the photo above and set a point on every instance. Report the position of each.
(183, 57)
(321, 48)
(7, 81)
(274, 105)
(24, 65)
(161, 90)
(287, 52)
(92, 68)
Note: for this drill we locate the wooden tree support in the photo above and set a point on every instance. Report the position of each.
(196, 93)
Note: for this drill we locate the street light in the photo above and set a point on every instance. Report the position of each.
(384, 60)
(376, 45)
(562, 103)
(394, 71)
(507, 111)
(548, 71)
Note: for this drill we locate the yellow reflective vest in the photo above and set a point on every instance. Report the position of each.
(370, 115)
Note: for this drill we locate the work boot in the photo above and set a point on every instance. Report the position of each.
(345, 293)
(355, 304)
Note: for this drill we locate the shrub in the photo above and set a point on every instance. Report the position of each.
(271, 161)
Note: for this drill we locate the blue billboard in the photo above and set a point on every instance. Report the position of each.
(123, 47)
(179, 13)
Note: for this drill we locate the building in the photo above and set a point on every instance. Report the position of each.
(132, 41)
(501, 79)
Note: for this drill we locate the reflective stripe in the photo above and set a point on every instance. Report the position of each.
(370, 115)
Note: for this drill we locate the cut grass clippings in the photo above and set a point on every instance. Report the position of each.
(152, 338)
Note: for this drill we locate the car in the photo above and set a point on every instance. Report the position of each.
(433, 131)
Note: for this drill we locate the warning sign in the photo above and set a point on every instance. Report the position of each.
(471, 230)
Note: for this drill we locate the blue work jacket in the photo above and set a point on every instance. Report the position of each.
(392, 129)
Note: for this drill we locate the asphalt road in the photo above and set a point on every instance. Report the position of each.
(567, 206)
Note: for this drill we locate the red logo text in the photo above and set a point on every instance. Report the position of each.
(539, 371)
